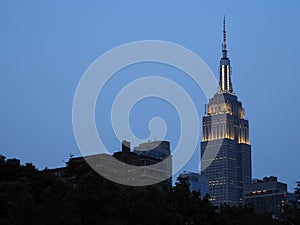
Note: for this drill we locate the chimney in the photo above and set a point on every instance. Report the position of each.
(125, 146)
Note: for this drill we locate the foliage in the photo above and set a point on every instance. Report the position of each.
(82, 197)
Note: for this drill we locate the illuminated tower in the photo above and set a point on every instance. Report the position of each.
(225, 147)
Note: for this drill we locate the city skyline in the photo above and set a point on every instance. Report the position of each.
(43, 57)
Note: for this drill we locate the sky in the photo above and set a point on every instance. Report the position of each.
(46, 46)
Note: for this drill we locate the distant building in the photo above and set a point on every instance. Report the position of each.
(267, 195)
(153, 152)
(156, 153)
(160, 171)
(155, 149)
(297, 194)
(197, 182)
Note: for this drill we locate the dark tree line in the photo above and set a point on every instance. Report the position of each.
(81, 197)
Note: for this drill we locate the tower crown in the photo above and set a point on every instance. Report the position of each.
(225, 69)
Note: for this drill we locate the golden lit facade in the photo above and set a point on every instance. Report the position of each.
(228, 120)
(225, 146)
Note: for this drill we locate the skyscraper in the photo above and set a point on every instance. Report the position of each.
(225, 147)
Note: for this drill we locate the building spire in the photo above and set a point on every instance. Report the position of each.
(224, 46)
(225, 69)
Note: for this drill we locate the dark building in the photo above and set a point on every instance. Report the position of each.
(225, 146)
(267, 195)
(297, 194)
(197, 182)
(153, 167)
(151, 153)
(154, 149)
(153, 159)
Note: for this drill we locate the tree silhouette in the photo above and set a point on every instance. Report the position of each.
(82, 197)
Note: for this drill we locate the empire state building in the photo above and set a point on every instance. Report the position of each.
(225, 147)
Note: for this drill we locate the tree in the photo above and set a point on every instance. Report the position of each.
(82, 197)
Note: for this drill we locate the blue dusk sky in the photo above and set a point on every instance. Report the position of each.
(45, 47)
